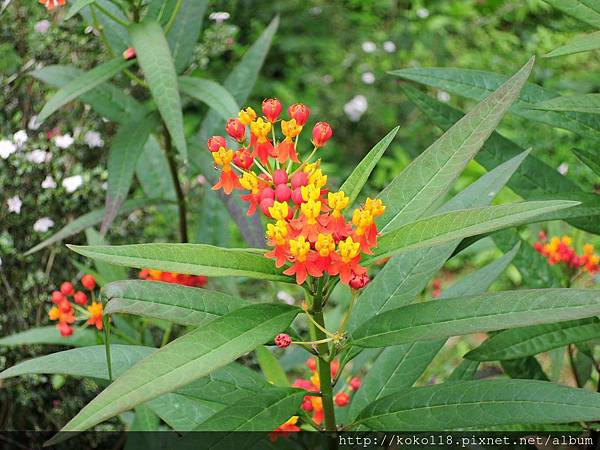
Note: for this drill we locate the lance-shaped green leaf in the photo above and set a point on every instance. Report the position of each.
(90, 219)
(150, 171)
(77, 6)
(519, 342)
(193, 259)
(476, 313)
(185, 31)
(359, 176)
(106, 99)
(463, 404)
(447, 227)
(184, 360)
(174, 303)
(183, 413)
(87, 361)
(263, 411)
(584, 43)
(107, 272)
(587, 11)
(156, 61)
(585, 103)
(431, 175)
(211, 93)
(127, 146)
(49, 335)
(477, 85)
(270, 367)
(145, 420)
(589, 159)
(532, 178)
(82, 84)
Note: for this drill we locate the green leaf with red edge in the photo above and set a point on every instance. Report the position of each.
(184, 360)
(193, 259)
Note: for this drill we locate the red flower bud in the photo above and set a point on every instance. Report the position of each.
(57, 297)
(265, 204)
(538, 246)
(271, 108)
(359, 281)
(267, 193)
(342, 399)
(243, 159)
(129, 54)
(299, 112)
(307, 405)
(65, 329)
(299, 179)
(297, 196)
(311, 363)
(67, 288)
(322, 132)
(65, 306)
(283, 193)
(215, 143)
(542, 235)
(80, 298)
(280, 176)
(354, 384)
(283, 340)
(88, 282)
(235, 129)
(335, 365)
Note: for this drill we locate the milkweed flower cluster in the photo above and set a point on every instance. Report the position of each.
(173, 277)
(313, 404)
(67, 302)
(309, 232)
(559, 250)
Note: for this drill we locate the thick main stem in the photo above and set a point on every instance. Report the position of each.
(324, 365)
(183, 232)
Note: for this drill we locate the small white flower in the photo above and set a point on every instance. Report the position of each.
(33, 124)
(42, 26)
(71, 184)
(285, 297)
(219, 17)
(64, 141)
(42, 225)
(389, 47)
(93, 139)
(369, 47)
(48, 182)
(423, 13)
(38, 156)
(563, 168)
(20, 137)
(7, 148)
(443, 96)
(368, 78)
(14, 204)
(356, 107)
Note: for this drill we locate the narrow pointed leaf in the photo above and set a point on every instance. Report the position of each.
(185, 31)
(183, 413)
(107, 272)
(447, 227)
(82, 84)
(359, 176)
(126, 148)
(150, 171)
(184, 360)
(532, 178)
(477, 85)
(476, 313)
(156, 61)
(431, 175)
(193, 259)
(174, 303)
(50, 335)
(589, 159)
(77, 6)
(270, 367)
(587, 11)
(211, 93)
(87, 361)
(585, 103)
(106, 99)
(520, 342)
(580, 44)
(487, 403)
(89, 220)
(145, 420)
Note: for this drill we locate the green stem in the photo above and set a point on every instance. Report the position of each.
(324, 364)
(183, 229)
(110, 15)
